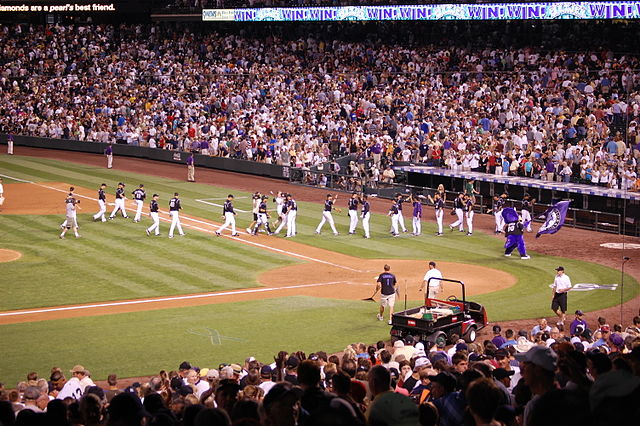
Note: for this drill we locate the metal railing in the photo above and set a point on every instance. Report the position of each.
(576, 218)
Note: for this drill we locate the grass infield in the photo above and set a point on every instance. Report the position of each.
(116, 260)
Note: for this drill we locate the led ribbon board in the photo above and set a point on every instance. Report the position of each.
(434, 12)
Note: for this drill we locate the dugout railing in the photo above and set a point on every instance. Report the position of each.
(576, 218)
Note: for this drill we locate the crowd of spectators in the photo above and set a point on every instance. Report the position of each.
(297, 100)
(589, 375)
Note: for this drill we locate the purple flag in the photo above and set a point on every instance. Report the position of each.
(554, 218)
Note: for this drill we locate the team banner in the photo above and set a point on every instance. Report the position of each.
(554, 218)
(434, 12)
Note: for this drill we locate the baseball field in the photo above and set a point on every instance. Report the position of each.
(117, 300)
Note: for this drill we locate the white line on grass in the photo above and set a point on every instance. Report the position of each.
(164, 299)
(221, 199)
(219, 205)
(213, 225)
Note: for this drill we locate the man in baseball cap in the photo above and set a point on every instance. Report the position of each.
(537, 366)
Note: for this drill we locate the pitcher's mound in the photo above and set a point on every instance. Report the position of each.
(7, 255)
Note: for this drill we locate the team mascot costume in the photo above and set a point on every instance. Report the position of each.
(514, 232)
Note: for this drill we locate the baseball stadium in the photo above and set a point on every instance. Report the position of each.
(318, 169)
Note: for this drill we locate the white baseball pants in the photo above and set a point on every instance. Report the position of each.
(439, 219)
(119, 206)
(365, 224)
(284, 219)
(103, 210)
(353, 223)
(139, 204)
(395, 218)
(229, 220)
(109, 161)
(291, 223)
(499, 221)
(526, 217)
(469, 216)
(156, 223)
(460, 222)
(416, 225)
(175, 222)
(326, 217)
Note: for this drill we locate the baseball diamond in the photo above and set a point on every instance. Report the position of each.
(258, 287)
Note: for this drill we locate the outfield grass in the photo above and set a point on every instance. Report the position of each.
(116, 260)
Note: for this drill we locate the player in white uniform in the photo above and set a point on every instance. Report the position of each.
(229, 216)
(102, 203)
(263, 217)
(458, 208)
(174, 211)
(64, 224)
(120, 199)
(438, 204)
(280, 199)
(527, 209)
(153, 213)
(257, 199)
(71, 220)
(138, 196)
(326, 214)
(468, 213)
(292, 213)
(434, 286)
(353, 213)
(394, 212)
(366, 215)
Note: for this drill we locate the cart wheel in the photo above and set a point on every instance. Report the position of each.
(470, 335)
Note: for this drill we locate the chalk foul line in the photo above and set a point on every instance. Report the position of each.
(163, 299)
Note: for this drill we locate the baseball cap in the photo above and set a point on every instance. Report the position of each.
(292, 362)
(605, 329)
(579, 312)
(212, 374)
(394, 409)
(501, 373)
(446, 379)
(31, 392)
(462, 347)
(539, 355)
(77, 369)
(422, 362)
(398, 344)
(265, 371)
(226, 373)
(204, 372)
(616, 340)
(560, 268)
(185, 365)
(236, 368)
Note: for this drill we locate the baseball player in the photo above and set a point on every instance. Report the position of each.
(263, 217)
(191, 168)
(153, 213)
(416, 223)
(394, 212)
(527, 210)
(496, 208)
(1, 193)
(400, 199)
(468, 213)
(102, 202)
(458, 208)
(365, 215)
(326, 214)
(71, 220)
(139, 195)
(387, 285)
(353, 213)
(109, 153)
(10, 144)
(120, 198)
(256, 200)
(229, 216)
(280, 200)
(438, 205)
(64, 224)
(174, 211)
(292, 212)
(283, 213)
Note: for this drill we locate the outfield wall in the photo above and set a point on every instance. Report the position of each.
(179, 157)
